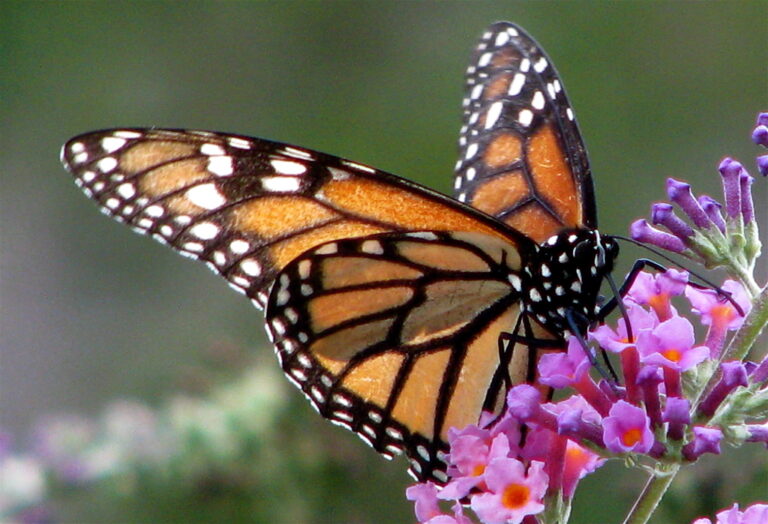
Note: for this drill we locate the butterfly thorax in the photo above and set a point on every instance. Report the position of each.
(562, 279)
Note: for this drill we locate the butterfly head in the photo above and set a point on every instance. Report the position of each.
(564, 276)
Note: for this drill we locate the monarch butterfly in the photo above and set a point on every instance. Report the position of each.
(398, 311)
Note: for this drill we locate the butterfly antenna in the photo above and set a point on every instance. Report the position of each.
(620, 305)
(576, 332)
(708, 284)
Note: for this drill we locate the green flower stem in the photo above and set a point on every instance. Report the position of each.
(750, 331)
(652, 494)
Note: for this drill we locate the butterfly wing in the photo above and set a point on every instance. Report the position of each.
(248, 207)
(396, 336)
(522, 158)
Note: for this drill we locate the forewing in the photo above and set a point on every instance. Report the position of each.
(396, 336)
(522, 158)
(247, 206)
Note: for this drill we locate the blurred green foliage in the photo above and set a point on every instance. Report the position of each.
(91, 312)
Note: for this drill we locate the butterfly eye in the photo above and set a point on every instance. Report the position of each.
(583, 252)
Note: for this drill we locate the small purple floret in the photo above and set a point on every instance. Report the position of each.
(734, 375)
(712, 208)
(760, 135)
(677, 414)
(760, 373)
(680, 193)
(762, 165)
(642, 231)
(747, 206)
(663, 214)
(731, 171)
(648, 379)
(758, 433)
(705, 440)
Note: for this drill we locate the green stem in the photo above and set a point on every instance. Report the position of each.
(753, 326)
(745, 275)
(652, 494)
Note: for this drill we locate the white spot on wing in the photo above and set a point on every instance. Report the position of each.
(485, 59)
(288, 167)
(525, 117)
(493, 113)
(126, 134)
(206, 196)
(126, 190)
(239, 246)
(155, 211)
(106, 164)
(328, 249)
(110, 144)
(518, 81)
(304, 267)
(239, 142)
(538, 100)
(212, 149)
(220, 165)
(359, 167)
(280, 184)
(372, 247)
(471, 151)
(501, 39)
(297, 153)
(251, 267)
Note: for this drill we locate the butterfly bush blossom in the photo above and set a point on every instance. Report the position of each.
(680, 396)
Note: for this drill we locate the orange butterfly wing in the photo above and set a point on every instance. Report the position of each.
(522, 158)
(248, 206)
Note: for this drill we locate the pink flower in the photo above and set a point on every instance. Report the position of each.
(656, 291)
(560, 370)
(427, 509)
(512, 493)
(754, 514)
(714, 309)
(425, 498)
(670, 345)
(627, 429)
(469, 458)
(579, 462)
(617, 340)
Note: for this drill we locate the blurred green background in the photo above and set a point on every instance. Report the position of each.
(92, 312)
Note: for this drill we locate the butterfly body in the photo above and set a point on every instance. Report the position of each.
(399, 312)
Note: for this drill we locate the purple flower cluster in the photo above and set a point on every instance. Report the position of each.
(754, 514)
(506, 477)
(709, 236)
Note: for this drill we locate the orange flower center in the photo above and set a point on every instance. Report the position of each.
(515, 496)
(723, 313)
(672, 354)
(659, 301)
(478, 470)
(631, 437)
